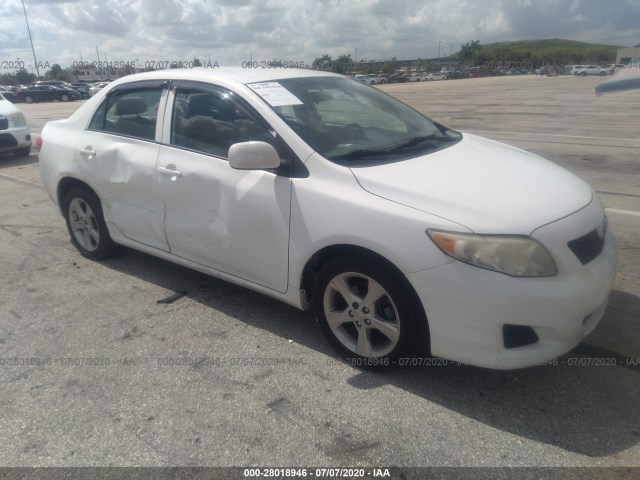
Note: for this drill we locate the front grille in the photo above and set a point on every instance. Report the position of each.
(7, 140)
(587, 247)
(4, 123)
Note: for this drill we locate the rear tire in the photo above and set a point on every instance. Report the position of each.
(85, 222)
(28, 99)
(64, 98)
(367, 312)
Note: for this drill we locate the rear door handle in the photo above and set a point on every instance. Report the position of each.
(88, 151)
(170, 172)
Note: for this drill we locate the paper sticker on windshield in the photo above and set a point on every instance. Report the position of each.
(275, 94)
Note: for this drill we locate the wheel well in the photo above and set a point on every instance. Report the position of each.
(315, 263)
(67, 184)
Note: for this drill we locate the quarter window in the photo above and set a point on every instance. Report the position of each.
(211, 121)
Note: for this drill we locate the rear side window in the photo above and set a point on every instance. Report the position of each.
(129, 112)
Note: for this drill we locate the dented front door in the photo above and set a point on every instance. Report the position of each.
(235, 221)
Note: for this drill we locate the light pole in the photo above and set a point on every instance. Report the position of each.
(30, 39)
(355, 60)
(439, 42)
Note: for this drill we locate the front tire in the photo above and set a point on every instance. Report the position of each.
(85, 222)
(64, 98)
(367, 311)
(28, 99)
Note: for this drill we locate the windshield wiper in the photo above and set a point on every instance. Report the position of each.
(419, 139)
(366, 152)
(363, 152)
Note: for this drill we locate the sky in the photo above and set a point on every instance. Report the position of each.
(230, 32)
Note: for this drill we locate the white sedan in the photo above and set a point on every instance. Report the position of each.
(368, 79)
(402, 235)
(436, 76)
(584, 70)
(96, 87)
(14, 132)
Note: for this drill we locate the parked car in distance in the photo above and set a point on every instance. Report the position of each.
(398, 78)
(14, 131)
(83, 88)
(402, 235)
(510, 72)
(584, 70)
(481, 72)
(368, 79)
(53, 83)
(96, 87)
(576, 68)
(46, 93)
(607, 70)
(453, 75)
(60, 84)
(418, 77)
(436, 76)
(71, 91)
(8, 93)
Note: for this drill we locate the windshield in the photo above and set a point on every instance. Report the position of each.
(346, 120)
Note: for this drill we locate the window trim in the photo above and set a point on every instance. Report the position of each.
(202, 87)
(134, 86)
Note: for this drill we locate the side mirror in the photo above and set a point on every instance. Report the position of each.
(253, 156)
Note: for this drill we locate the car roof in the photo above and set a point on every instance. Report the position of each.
(237, 74)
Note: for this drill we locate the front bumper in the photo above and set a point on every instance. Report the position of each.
(468, 307)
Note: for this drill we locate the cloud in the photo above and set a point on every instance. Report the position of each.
(226, 30)
(109, 17)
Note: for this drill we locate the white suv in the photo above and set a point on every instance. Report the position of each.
(14, 131)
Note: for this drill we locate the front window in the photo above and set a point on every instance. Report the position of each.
(210, 121)
(347, 121)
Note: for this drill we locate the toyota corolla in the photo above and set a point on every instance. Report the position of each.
(402, 235)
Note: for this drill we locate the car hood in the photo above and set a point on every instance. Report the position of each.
(7, 108)
(481, 184)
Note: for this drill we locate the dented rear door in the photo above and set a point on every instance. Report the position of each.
(118, 154)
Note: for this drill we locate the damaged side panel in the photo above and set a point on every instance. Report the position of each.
(123, 173)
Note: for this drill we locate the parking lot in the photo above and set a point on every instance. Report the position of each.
(138, 362)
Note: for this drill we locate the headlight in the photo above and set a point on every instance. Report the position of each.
(18, 120)
(518, 256)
